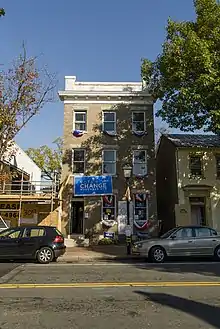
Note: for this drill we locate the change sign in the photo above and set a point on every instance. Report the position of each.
(92, 185)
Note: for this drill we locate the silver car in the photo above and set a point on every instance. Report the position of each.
(191, 241)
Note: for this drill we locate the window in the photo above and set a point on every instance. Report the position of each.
(204, 232)
(139, 162)
(184, 233)
(80, 120)
(138, 121)
(11, 233)
(217, 158)
(78, 161)
(108, 207)
(33, 232)
(109, 121)
(195, 165)
(140, 207)
(109, 162)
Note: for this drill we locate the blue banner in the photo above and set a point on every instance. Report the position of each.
(109, 235)
(92, 185)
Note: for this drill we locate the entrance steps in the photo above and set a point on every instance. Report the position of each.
(76, 240)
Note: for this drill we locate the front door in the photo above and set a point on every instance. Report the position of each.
(183, 243)
(9, 243)
(198, 211)
(77, 217)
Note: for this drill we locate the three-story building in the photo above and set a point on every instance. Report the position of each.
(107, 125)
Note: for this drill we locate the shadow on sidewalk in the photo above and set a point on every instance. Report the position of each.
(202, 311)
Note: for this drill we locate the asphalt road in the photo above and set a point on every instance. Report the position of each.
(6, 267)
(96, 297)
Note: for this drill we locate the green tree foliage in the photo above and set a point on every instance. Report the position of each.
(48, 159)
(2, 12)
(186, 75)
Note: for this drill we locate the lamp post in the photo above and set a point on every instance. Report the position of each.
(127, 174)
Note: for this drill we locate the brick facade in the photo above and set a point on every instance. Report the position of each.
(94, 141)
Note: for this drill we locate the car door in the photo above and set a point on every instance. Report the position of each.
(9, 243)
(30, 241)
(205, 241)
(183, 242)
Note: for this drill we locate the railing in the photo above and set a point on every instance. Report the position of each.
(41, 188)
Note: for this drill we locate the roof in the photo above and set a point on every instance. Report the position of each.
(194, 140)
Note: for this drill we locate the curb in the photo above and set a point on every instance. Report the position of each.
(7, 277)
(89, 259)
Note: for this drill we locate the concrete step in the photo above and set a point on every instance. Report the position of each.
(77, 241)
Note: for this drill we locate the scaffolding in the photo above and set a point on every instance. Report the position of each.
(28, 191)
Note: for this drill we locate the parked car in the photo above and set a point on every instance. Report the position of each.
(42, 243)
(184, 241)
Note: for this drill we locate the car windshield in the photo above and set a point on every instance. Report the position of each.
(6, 232)
(167, 234)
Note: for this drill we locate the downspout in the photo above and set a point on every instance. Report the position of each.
(177, 177)
(177, 171)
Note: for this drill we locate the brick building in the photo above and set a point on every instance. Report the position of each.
(107, 125)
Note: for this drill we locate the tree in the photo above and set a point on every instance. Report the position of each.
(24, 90)
(49, 160)
(186, 75)
(2, 12)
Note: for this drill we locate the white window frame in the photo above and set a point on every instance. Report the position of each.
(115, 162)
(114, 196)
(75, 111)
(84, 167)
(103, 120)
(139, 131)
(146, 203)
(143, 163)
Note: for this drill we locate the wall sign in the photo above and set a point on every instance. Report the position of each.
(92, 185)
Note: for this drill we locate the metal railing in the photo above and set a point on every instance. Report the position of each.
(22, 187)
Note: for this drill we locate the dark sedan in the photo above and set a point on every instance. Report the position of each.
(41, 243)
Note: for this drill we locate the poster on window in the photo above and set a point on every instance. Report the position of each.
(140, 211)
(108, 210)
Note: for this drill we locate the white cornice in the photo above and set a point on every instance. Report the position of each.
(93, 101)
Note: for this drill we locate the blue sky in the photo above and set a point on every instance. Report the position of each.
(96, 40)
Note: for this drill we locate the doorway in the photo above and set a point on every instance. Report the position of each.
(77, 217)
(198, 213)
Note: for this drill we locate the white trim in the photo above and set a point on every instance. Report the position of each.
(82, 111)
(132, 121)
(103, 121)
(135, 83)
(78, 149)
(115, 162)
(144, 163)
(139, 102)
(115, 215)
(101, 93)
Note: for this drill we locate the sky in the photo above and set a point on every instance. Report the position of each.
(95, 40)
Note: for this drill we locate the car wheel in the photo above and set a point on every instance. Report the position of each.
(217, 253)
(157, 255)
(45, 255)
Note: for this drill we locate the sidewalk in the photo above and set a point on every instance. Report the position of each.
(96, 253)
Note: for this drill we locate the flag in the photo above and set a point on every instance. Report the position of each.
(78, 133)
(128, 194)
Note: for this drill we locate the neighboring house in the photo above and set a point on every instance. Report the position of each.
(188, 180)
(17, 158)
(107, 125)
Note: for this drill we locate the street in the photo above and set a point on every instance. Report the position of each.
(109, 295)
